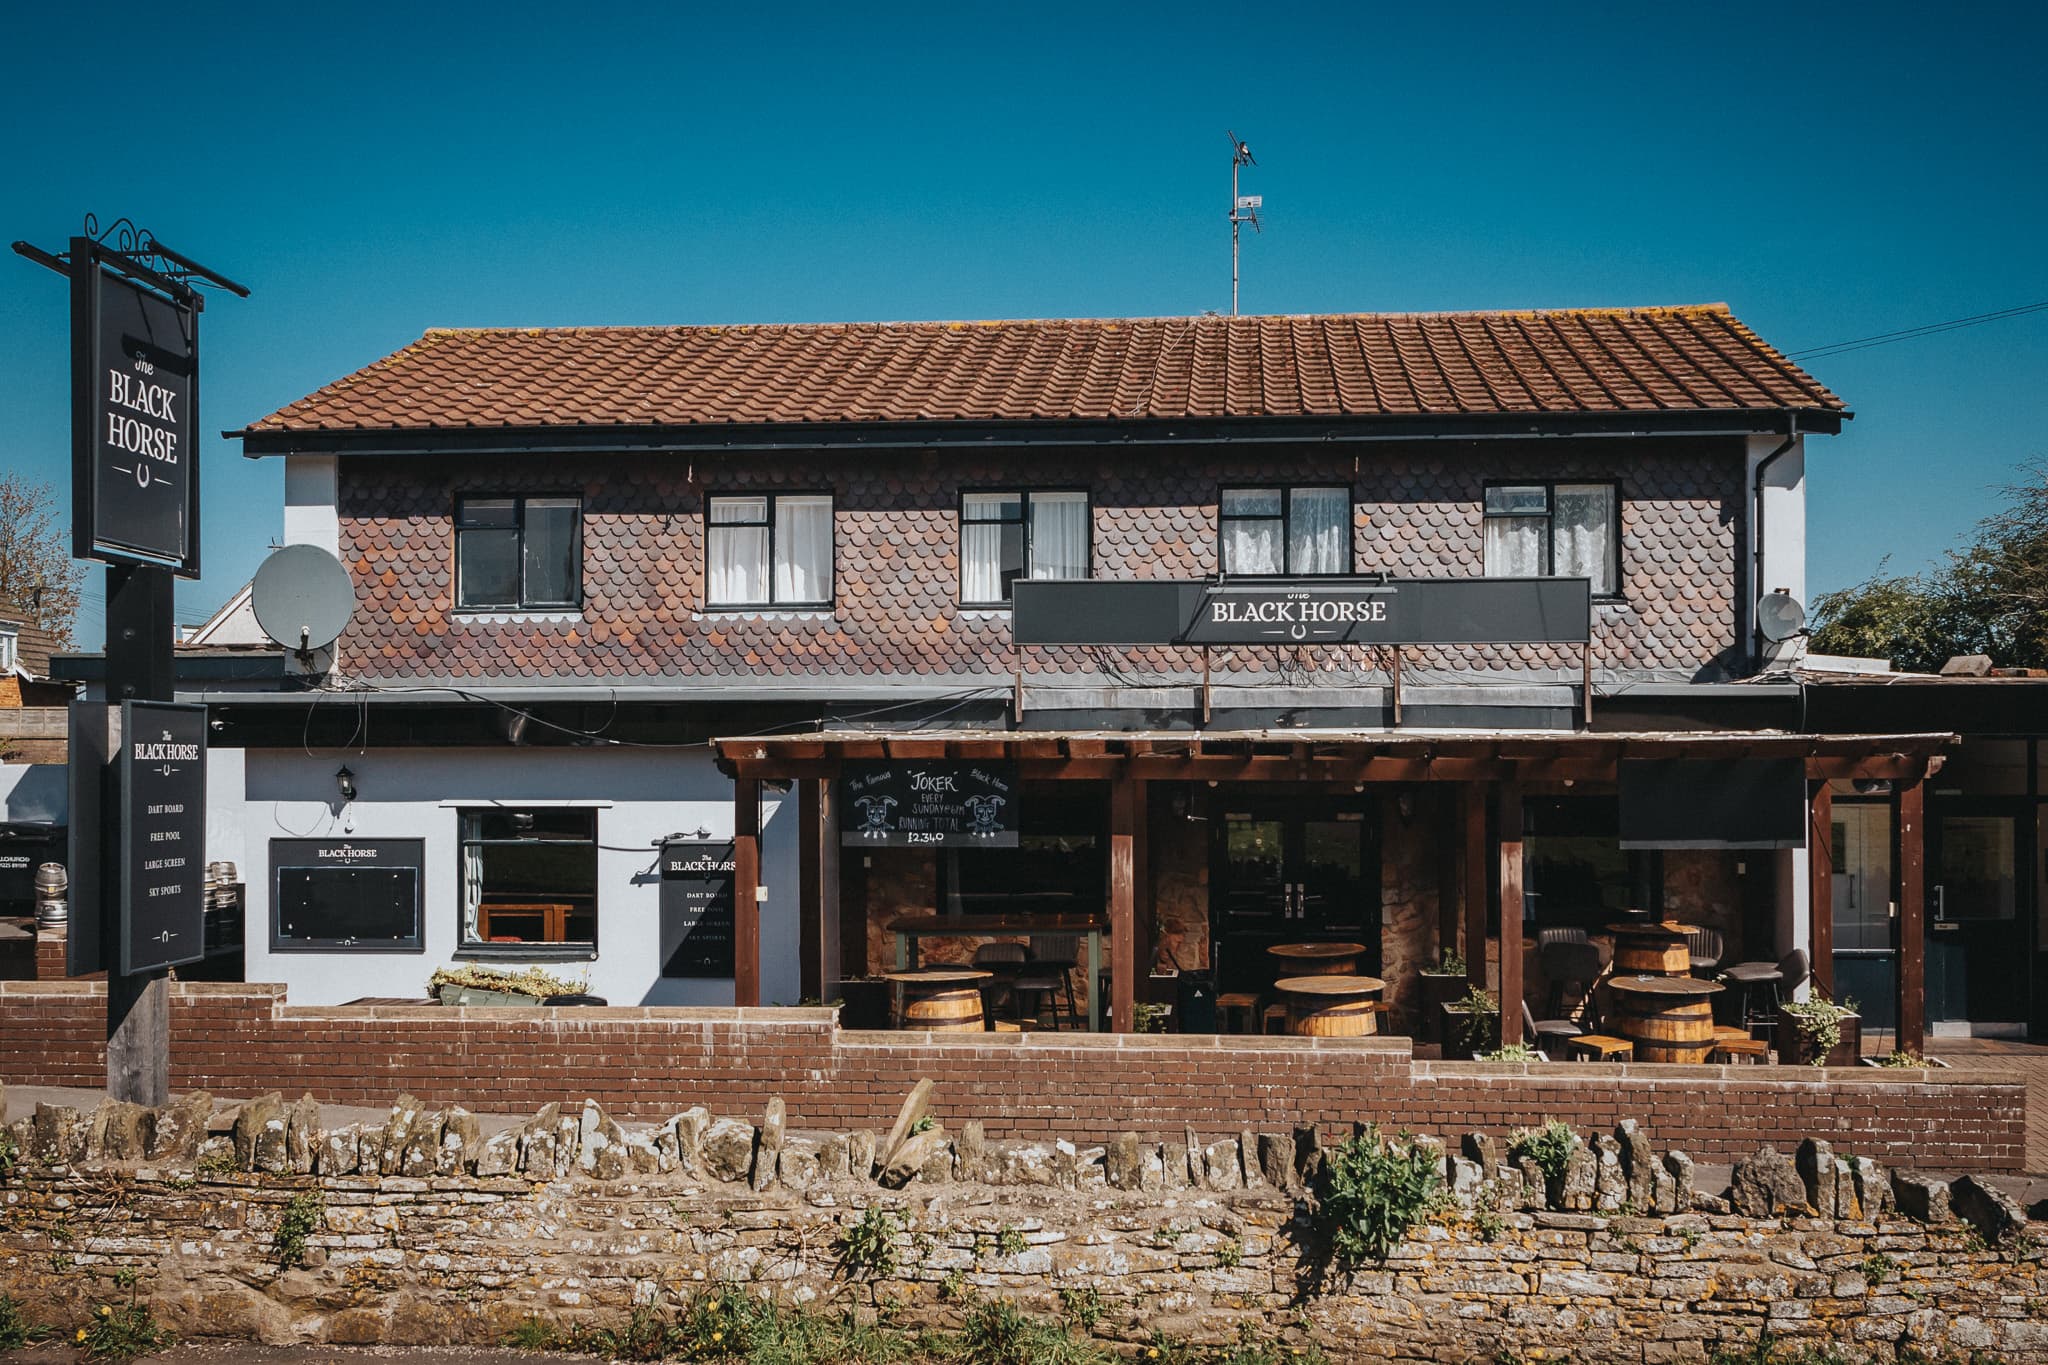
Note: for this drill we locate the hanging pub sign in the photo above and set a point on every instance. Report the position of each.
(904, 803)
(696, 908)
(135, 399)
(162, 835)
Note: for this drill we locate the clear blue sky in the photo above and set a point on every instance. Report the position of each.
(375, 170)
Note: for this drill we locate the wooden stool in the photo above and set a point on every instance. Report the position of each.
(1599, 1047)
(1273, 1014)
(1228, 1006)
(1728, 1050)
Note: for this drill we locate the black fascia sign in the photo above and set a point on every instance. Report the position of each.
(163, 835)
(904, 803)
(135, 411)
(696, 909)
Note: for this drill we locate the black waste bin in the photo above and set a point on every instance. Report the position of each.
(1195, 1003)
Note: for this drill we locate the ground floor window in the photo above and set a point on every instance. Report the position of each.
(1575, 872)
(529, 877)
(1058, 866)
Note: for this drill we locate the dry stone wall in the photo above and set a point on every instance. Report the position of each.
(424, 1228)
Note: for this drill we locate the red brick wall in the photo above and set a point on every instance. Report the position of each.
(648, 1063)
(1416, 513)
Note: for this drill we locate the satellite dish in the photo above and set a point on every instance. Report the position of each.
(302, 598)
(1779, 616)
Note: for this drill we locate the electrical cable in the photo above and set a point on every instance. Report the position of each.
(1914, 333)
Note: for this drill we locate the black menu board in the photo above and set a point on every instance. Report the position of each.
(163, 829)
(696, 909)
(943, 803)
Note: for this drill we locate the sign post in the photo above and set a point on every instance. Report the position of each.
(138, 762)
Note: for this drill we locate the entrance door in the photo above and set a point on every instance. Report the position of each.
(1291, 871)
(1977, 948)
(1865, 959)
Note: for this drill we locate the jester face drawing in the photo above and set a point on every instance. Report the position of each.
(874, 814)
(982, 814)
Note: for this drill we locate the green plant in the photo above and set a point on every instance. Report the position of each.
(10, 1156)
(216, 1163)
(1230, 1254)
(1878, 1267)
(1513, 1052)
(923, 1124)
(1083, 1307)
(533, 1334)
(533, 981)
(1010, 1242)
(954, 1288)
(1149, 1018)
(1902, 1059)
(301, 1219)
(998, 1333)
(1819, 1023)
(1373, 1191)
(1487, 1219)
(1476, 1010)
(1450, 962)
(1550, 1147)
(122, 1333)
(16, 1331)
(867, 1249)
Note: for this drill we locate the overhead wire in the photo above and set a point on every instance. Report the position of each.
(1914, 333)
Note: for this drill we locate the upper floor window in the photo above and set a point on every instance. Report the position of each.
(769, 549)
(529, 877)
(1286, 530)
(10, 648)
(518, 552)
(1007, 536)
(1568, 529)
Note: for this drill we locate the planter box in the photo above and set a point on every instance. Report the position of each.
(470, 995)
(1793, 1049)
(1454, 1025)
(1438, 989)
(863, 1004)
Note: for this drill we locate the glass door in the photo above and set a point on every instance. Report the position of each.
(1864, 910)
(1977, 940)
(1290, 871)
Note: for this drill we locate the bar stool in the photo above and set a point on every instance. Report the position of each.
(1706, 949)
(1599, 1047)
(1060, 953)
(1568, 962)
(1772, 980)
(1236, 1010)
(1007, 961)
(1542, 1032)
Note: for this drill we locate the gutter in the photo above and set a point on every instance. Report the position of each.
(1756, 572)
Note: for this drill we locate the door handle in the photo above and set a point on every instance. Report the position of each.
(1940, 902)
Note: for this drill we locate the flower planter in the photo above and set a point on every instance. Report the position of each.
(470, 995)
(1463, 1040)
(1437, 990)
(863, 1003)
(1795, 1050)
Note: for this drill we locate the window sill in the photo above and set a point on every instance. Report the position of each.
(527, 952)
(779, 611)
(501, 616)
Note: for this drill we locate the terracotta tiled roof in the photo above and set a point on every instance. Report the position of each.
(1577, 361)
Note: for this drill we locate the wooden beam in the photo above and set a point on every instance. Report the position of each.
(1141, 882)
(1912, 819)
(1122, 905)
(1820, 887)
(1448, 849)
(746, 896)
(1510, 916)
(810, 891)
(1474, 802)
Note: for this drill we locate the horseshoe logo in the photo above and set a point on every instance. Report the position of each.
(141, 474)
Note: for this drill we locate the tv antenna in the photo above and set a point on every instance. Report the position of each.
(1244, 208)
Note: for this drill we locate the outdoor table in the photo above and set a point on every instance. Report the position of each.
(908, 929)
(1653, 947)
(1317, 959)
(938, 998)
(1668, 1018)
(1331, 1006)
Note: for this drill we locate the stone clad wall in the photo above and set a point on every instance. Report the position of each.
(643, 1062)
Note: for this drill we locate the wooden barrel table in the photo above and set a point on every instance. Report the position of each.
(1668, 1018)
(1330, 1006)
(942, 1000)
(1316, 959)
(1652, 948)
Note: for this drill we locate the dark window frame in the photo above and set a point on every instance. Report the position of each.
(1025, 495)
(772, 498)
(1615, 563)
(518, 501)
(575, 950)
(1286, 519)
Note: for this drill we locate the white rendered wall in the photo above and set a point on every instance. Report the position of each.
(640, 795)
(311, 514)
(1783, 569)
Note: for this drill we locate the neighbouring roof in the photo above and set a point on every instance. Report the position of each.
(34, 643)
(1697, 358)
(232, 626)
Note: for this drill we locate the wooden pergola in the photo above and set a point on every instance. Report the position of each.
(1475, 771)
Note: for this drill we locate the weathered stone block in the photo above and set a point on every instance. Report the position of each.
(302, 1135)
(422, 1151)
(1820, 1174)
(1996, 1215)
(833, 1162)
(798, 1166)
(538, 1140)
(338, 1153)
(1023, 1163)
(1221, 1167)
(461, 1139)
(174, 1137)
(259, 1134)
(1638, 1163)
(1579, 1187)
(1873, 1186)
(405, 1111)
(1922, 1196)
(499, 1154)
(1276, 1160)
(1766, 1185)
(860, 1153)
(122, 1130)
(691, 1125)
(768, 1143)
(728, 1149)
(1123, 1163)
(914, 1156)
(600, 1143)
(1610, 1183)
(1174, 1165)
(970, 1151)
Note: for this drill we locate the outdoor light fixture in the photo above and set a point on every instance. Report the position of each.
(1405, 803)
(1873, 786)
(345, 782)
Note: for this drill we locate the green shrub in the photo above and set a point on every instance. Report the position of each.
(867, 1249)
(300, 1220)
(16, 1331)
(122, 1333)
(1373, 1191)
(1550, 1147)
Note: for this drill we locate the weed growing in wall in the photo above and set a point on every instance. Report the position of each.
(1550, 1147)
(1374, 1191)
(301, 1219)
(16, 1331)
(867, 1249)
(122, 1332)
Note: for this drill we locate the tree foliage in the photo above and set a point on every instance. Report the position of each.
(37, 573)
(1989, 597)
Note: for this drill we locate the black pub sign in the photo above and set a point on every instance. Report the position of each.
(942, 803)
(1303, 614)
(696, 908)
(135, 382)
(163, 835)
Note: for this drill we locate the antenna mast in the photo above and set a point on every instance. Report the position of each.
(1244, 208)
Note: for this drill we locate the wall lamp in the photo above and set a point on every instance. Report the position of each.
(345, 783)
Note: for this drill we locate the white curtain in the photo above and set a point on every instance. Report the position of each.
(738, 553)
(472, 888)
(1059, 535)
(803, 549)
(1514, 547)
(1252, 531)
(982, 532)
(1583, 534)
(1319, 525)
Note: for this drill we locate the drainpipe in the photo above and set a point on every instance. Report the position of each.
(1756, 576)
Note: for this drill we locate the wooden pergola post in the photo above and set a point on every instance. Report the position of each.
(1510, 915)
(1820, 884)
(1123, 955)
(1449, 850)
(812, 924)
(1474, 836)
(746, 891)
(1912, 814)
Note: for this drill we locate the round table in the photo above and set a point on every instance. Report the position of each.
(1317, 959)
(1331, 1006)
(942, 999)
(1650, 947)
(1668, 1018)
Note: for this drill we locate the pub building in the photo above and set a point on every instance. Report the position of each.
(1092, 660)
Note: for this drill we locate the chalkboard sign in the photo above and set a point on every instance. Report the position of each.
(346, 895)
(163, 829)
(937, 804)
(696, 909)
